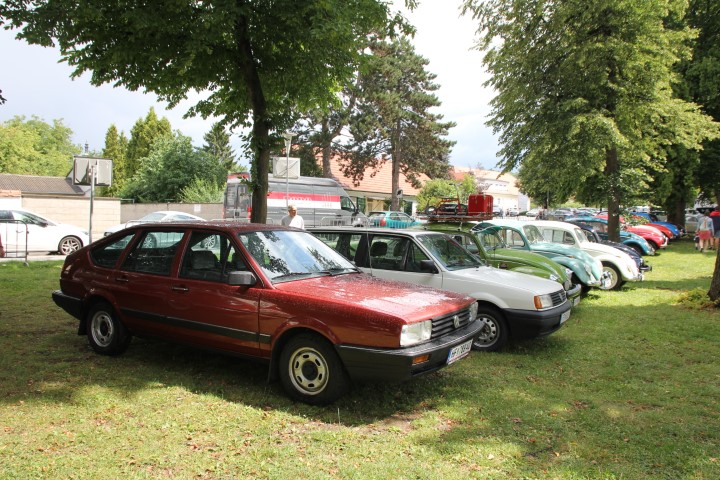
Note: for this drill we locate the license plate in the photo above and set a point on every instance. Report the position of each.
(564, 317)
(459, 352)
(576, 300)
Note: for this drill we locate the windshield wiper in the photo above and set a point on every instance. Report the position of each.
(339, 270)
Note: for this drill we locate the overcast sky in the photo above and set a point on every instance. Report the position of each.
(34, 83)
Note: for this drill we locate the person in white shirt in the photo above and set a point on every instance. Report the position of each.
(292, 219)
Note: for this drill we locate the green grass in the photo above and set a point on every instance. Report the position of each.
(628, 389)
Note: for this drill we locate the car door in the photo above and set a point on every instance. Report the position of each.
(204, 307)
(40, 235)
(398, 258)
(143, 281)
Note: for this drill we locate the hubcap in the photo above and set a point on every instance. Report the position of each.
(308, 371)
(488, 334)
(102, 329)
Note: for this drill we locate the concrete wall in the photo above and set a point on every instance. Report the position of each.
(133, 211)
(76, 211)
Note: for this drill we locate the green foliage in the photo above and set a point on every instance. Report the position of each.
(34, 147)
(172, 165)
(393, 117)
(116, 145)
(142, 136)
(585, 100)
(217, 144)
(434, 190)
(202, 190)
(259, 62)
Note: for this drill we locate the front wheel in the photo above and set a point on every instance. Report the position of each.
(106, 334)
(311, 371)
(69, 244)
(494, 335)
(615, 280)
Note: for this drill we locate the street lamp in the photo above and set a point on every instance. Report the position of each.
(288, 142)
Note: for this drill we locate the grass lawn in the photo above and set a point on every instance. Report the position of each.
(628, 389)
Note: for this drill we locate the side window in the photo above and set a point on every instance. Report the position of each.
(414, 257)
(516, 239)
(386, 253)
(210, 256)
(568, 238)
(108, 255)
(154, 253)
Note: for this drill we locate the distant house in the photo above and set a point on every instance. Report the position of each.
(38, 185)
(502, 187)
(374, 191)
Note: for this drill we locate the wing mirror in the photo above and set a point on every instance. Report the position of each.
(242, 279)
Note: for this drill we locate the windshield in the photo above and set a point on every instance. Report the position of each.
(533, 234)
(448, 252)
(152, 217)
(580, 235)
(285, 256)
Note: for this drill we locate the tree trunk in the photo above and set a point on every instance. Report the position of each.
(326, 148)
(612, 171)
(396, 159)
(714, 292)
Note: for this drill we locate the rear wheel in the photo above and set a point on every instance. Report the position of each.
(69, 244)
(106, 334)
(494, 335)
(311, 371)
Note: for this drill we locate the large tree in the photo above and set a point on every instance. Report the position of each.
(34, 147)
(394, 120)
(258, 61)
(142, 136)
(584, 91)
(217, 144)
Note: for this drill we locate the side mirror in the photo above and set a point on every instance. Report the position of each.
(428, 266)
(242, 279)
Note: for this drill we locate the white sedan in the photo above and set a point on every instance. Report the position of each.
(23, 231)
(159, 216)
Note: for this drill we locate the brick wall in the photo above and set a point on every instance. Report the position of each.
(76, 211)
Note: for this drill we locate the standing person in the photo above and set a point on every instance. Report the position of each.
(2, 249)
(292, 219)
(715, 217)
(705, 232)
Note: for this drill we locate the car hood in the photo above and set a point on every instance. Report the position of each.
(399, 299)
(503, 281)
(527, 258)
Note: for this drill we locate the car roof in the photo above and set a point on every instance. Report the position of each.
(410, 232)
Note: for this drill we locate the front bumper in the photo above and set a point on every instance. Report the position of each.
(530, 324)
(394, 365)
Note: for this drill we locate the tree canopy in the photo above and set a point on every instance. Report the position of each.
(584, 92)
(257, 61)
(35, 147)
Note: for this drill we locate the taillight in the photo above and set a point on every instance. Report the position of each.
(383, 222)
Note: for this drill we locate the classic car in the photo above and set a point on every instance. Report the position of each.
(652, 219)
(592, 235)
(632, 240)
(617, 264)
(652, 235)
(512, 305)
(499, 256)
(267, 292)
(521, 235)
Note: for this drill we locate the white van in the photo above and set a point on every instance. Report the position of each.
(320, 201)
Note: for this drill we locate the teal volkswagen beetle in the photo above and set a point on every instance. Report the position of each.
(519, 235)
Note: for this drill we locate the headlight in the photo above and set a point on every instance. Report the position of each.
(543, 301)
(473, 312)
(416, 333)
(568, 272)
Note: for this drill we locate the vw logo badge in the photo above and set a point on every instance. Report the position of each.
(456, 321)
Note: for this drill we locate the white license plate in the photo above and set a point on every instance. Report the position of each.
(459, 352)
(576, 300)
(564, 317)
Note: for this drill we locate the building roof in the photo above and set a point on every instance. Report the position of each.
(496, 182)
(378, 182)
(40, 185)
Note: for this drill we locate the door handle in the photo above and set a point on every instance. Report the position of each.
(121, 279)
(179, 288)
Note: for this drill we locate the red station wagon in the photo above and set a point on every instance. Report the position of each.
(267, 292)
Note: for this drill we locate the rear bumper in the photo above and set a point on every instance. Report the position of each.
(396, 365)
(71, 305)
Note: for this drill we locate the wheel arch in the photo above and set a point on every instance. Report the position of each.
(283, 338)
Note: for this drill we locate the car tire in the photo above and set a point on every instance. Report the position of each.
(616, 281)
(638, 249)
(106, 333)
(494, 335)
(69, 245)
(150, 241)
(311, 370)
